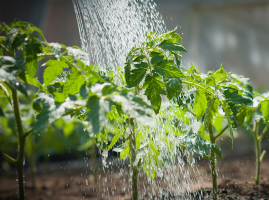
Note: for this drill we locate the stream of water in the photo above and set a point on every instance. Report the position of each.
(108, 30)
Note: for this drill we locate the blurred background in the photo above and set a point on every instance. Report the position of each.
(232, 32)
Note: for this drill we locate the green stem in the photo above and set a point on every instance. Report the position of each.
(199, 86)
(263, 131)
(10, 159)
(257, 151)
(133, 168)
(20, 158)
(7, 51)
(213, 165)
(219, 134)
(28, 133)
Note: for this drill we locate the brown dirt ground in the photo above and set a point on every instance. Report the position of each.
(70, 183)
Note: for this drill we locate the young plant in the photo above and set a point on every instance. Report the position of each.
(155, 66)
(254, 118)
(19, 47)
(154, 69)
(80, 92)
(216, 94)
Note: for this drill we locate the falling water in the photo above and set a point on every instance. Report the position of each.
(108, 30)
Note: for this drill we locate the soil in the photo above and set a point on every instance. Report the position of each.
(73, 183)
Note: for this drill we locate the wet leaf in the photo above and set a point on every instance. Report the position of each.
(199, 145)
(54, 69)
(13, 81)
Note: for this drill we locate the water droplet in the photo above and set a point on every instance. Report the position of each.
(17, 83)
(87, 183)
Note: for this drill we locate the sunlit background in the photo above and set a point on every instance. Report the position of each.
(233, 32)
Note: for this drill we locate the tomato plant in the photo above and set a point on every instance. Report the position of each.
(154, 69)
(77, 92)
(254, 118)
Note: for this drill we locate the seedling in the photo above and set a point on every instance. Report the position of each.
(253, 118)
(155, 66)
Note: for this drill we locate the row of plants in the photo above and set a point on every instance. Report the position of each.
(147, 105)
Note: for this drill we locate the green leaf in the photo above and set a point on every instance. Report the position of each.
(210, 112)
(173, 87)
(245, 112)
(55, 69)
(220, 74)
(168, 69)
(11, 35)
(139, 58)
(124, 153)
(33, 81)
(58, 97)
(137, 75)
(200, 103)
(152, 161)
(134, 107)
(73, 85)
(49, 112)
(232, 97)
(13, 81)
(5, 91)
(83, 91)
(97, 114)
(156, 59)
(199, 145)
(181, 114)
(33, 28)
(114, 140)
(68, 129)
(218, 123)
(8, 61)
(154, 90)
(171, 45)
(32, 49)
(265, 109)
(177, 58)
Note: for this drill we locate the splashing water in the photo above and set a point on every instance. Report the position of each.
(110, 28)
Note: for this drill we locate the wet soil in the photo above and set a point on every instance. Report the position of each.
(69, 183)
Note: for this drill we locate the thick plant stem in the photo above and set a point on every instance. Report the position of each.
(257, 151)
(20, 158)
(258, 160)
(30, 153)
(213, 166)
(133, 168)
(259, 155)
